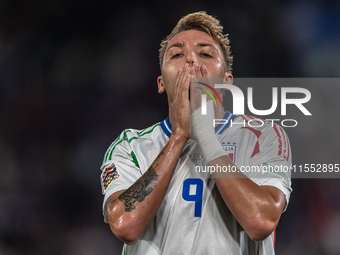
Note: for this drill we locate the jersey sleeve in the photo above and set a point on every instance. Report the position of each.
(273, 162)
(120, 169)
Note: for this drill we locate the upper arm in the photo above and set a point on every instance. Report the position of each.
(119, 172)
(274, 162)
(109, 202)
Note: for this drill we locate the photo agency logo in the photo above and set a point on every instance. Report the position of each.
(290, 97)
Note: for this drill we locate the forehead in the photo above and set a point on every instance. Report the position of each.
(192, 37)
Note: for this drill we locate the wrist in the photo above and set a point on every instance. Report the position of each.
(203, 132)
(177, 138)
(211, 148)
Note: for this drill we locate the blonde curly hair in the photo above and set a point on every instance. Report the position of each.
(202, 22)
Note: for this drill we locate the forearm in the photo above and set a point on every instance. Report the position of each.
(132, 212)
(257, 209)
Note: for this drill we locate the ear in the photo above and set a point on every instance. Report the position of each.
(160, 82)
(228, 78)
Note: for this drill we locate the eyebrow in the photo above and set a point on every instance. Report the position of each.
(181, 44)
(175, 45)
(207, 45)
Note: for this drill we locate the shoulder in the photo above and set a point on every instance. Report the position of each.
(267, 133)
(258, 125)
(122, 144)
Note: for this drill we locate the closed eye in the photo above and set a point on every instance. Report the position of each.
(206, 55)
(177, 55)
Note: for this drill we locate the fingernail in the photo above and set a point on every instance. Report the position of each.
(195, 64)
(204, 67)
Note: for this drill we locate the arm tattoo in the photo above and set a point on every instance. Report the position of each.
(140, 189)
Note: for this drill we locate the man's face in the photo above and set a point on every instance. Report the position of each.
(188, 47)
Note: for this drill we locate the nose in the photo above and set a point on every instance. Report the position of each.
(190, 58)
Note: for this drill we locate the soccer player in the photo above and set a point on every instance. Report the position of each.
(154, 199)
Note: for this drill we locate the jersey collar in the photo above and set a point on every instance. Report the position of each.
(228, 118)
(166, 126)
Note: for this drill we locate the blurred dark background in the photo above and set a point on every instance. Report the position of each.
(74, 74)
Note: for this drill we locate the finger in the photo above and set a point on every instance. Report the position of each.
(197, 70)
(184, 74)
(185, 68)
(193, 78)
(186, 84)
(180, 75)
(196, 75)
(195, 95)
(204, 71)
